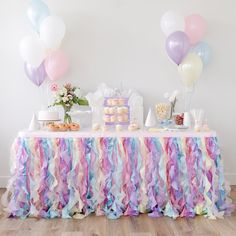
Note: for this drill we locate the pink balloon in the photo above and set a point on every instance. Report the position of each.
(56, 65)
(195, 28)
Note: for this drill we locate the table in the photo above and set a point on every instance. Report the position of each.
(73, 174)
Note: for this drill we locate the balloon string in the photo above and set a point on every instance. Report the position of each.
(188, 99)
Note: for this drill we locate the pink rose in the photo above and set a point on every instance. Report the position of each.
(54, 87)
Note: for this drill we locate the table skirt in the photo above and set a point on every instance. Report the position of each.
(115, 176)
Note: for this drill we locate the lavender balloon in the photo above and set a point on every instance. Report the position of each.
(36, 75)
(177, 46)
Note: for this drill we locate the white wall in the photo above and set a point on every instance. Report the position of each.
(120, 40)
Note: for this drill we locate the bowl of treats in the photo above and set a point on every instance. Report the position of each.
(179, 118)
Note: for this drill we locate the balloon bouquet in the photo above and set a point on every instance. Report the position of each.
(184, 46)
(40, 51)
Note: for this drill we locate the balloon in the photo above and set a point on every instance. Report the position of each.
(177, 46)
(203, 50)
(36, 75)
(56, 65)
(190, 69)
(32, 50)
(172, 21)
(52, 31)
(195, 28)
(36, 13)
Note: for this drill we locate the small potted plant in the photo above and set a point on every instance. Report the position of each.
(67, 97)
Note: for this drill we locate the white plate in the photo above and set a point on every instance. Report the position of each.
(180, 127)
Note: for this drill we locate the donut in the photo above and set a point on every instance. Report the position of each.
(53, 127)
(63, 127)
(133, 127)
(74, 127)
(96, 127)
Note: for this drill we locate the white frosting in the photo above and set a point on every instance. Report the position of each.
(48, 115)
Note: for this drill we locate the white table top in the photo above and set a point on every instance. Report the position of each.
(139, 133)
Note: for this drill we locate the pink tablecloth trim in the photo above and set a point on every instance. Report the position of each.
(122, 134)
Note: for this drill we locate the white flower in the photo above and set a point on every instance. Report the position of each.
(70, 97)
(78, 92)
(57, 98)
(166, 95)
(176, 93)
(61, 92)
(65, 99)
(172, 98)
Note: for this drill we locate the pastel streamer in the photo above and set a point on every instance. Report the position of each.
(115, 176)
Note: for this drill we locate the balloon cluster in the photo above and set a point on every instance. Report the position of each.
(184, 45)
(40, 51)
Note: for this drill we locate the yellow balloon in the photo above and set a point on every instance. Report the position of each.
(190, 69)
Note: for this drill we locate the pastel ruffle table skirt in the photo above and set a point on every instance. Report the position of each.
(71, 175)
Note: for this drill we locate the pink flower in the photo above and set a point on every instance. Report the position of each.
(54, 87)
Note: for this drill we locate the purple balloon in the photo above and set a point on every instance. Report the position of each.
(177, 46)
(36, 75)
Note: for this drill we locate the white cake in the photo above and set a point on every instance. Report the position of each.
(48, 115)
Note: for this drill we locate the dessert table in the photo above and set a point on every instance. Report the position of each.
(73, 174)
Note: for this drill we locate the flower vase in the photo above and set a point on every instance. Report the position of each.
(67, 117)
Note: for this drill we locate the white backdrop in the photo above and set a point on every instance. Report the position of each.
(116, 41)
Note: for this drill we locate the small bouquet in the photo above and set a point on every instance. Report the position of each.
(67, 97)
(172, 98)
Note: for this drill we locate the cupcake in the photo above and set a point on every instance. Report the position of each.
(121, 101)
(113, 118)
(120, 118)
(112, 110)
(126, 118)
(106, 110)
(120, 110)
(107, 119)
(115, 102)
(109, 102)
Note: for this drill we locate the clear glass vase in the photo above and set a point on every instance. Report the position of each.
(67, 117)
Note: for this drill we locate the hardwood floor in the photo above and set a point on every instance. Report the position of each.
(130, 226)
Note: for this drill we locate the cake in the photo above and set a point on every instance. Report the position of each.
(48, 115)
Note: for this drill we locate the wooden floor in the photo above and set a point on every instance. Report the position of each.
(130, 226)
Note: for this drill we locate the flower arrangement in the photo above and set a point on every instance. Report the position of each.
(172, 98)
(67, 97)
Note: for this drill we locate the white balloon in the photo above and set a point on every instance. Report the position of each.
(172, 21)
(52, 31)
(32, 50)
